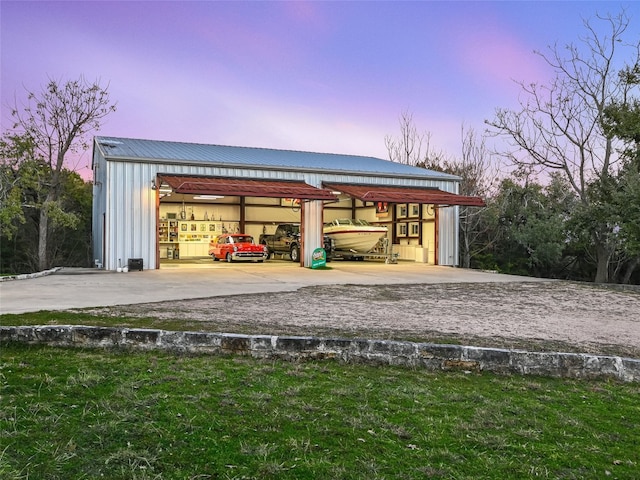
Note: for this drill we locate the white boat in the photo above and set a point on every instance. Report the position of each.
(354, 235)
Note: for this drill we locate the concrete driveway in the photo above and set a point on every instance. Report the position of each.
(78, 288)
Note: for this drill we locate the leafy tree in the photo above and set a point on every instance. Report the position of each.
(56, 122)
(532, 229)
(559, 126)
(14, 151)
(627, 199)
(73, 245)
(21, 185)
(622, 120)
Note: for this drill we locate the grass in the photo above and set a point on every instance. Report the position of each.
(85, 414)
(53, 317)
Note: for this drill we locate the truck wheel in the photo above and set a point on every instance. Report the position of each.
(269, 252)
(295, 253)
(229, 258)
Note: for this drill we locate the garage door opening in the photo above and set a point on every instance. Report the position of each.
(411, 215)
(193, 210)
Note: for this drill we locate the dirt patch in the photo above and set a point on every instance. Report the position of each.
(547, 316)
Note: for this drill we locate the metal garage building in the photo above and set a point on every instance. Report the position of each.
(152, 198)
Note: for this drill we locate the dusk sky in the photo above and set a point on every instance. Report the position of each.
(316, 76)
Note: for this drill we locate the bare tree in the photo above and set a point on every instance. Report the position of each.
(476, 171)
(478, 176)
(412, 147)
(559, 125)
(57, 121)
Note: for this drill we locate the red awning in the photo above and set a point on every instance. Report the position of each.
(244, 188)
(395, 194)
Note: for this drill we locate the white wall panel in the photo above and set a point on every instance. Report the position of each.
(130, 220)
(448, 236)
(313, 233)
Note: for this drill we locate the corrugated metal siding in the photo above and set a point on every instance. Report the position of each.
(447, 185)
(130, 222)
(448, 253)
(448, 236)
(313, 229)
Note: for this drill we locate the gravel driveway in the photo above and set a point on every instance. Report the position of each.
(545, 316)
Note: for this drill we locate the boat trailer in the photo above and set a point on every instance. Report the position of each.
(383, 249)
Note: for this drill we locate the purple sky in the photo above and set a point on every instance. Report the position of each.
(318, 76)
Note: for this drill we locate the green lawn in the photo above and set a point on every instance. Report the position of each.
(85, 414)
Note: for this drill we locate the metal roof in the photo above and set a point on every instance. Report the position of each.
(129, 149)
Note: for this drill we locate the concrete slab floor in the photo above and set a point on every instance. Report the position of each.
(79, 288)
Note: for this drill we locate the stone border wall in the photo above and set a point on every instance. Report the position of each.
(417, 355)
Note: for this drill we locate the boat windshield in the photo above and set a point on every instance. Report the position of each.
(348, 221)
(364, 223)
